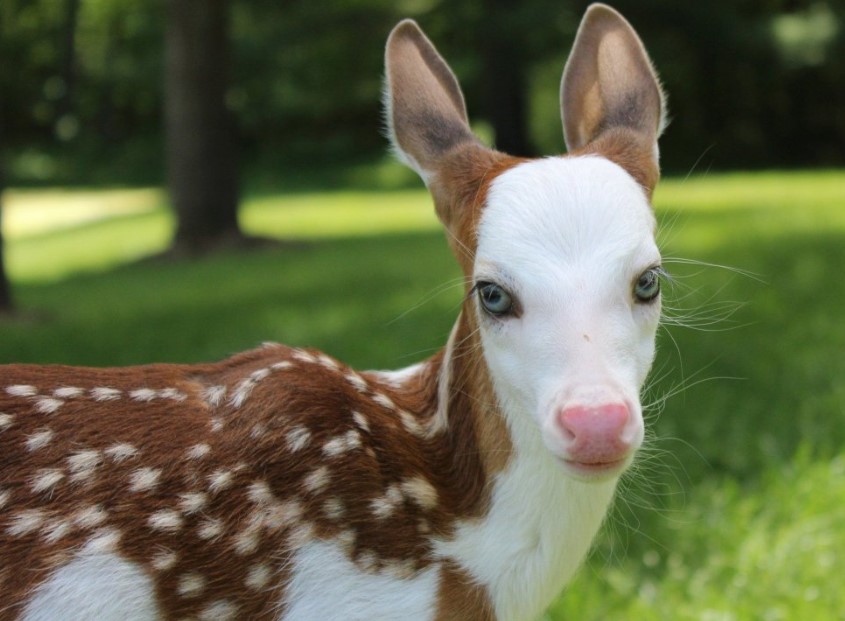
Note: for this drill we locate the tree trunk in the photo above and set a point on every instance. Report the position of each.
(6, 305)
(66, 105)
(504, 77)
(201, 166)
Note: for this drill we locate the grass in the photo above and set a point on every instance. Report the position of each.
(736, 509)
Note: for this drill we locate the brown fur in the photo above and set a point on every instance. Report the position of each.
(460, 599)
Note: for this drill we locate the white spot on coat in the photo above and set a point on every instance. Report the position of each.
(258, 576)
(246, 542)
(214, 395)
(68, 392)
(54, 530)
(46, 479)
(191, 502)
(385, 505)
(333, 508)
(6, 421)
(342, 444)
(260, 493)
(164, 560)
(47, 405)
(166, 520)
(361, 421)
(297, 438)
(144, 479)
(384, 401)
(304, 356)
(219, 480)
(316, 480)
(82, 464)
(420, 491)
(104, 393)
(104, 540)
(190, 584)
(411, 424)
(358, 382)
(174, 394)
(328, 362)
(26, 522)
(281, 515)
(242, 392)
(221, 610)
(90, 517)
(210, 529)
(143, 394)
(300, 535)
(260, 374)
(39, 440)
(121, 452)
(198, 451)
(21, 390)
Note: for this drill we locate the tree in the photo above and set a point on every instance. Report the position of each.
(6, 305)
(504, 79)
(200, 144)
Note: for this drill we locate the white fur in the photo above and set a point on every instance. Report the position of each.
(396, 378)
(568, 237)
(327, 586)
(103, 586)
(539, 529)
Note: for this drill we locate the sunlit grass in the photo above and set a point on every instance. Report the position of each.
(52, 234)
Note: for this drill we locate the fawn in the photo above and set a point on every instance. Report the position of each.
(282, 484)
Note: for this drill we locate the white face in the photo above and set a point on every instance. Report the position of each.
(568, 302)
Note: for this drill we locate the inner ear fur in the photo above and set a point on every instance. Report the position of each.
(610, 94)
(426, 114)
(429, 130)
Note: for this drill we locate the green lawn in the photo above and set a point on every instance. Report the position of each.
(736, 509)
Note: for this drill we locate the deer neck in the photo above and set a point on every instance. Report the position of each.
(535, 524)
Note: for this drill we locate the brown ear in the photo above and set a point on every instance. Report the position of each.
(425, 108)
(609, 83)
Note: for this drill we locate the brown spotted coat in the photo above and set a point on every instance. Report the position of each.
(210, 476)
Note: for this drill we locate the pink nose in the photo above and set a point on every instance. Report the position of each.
(596, 434)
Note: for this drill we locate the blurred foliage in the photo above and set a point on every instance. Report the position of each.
(751, 84)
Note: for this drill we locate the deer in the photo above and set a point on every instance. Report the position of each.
(282, 484)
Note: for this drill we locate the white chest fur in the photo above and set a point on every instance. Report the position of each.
(539, 529)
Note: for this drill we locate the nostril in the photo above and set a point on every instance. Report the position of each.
(567, 430)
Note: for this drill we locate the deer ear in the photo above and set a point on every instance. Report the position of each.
(425, 109)
(609, 82)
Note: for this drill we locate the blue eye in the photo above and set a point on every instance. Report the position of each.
(494, 299)
(647, 287)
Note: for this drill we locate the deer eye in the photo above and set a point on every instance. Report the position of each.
(647, 287)
(494, 299)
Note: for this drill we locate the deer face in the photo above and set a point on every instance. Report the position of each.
(566, 293)
(560, 252)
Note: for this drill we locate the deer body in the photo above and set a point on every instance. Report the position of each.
(281, 484)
